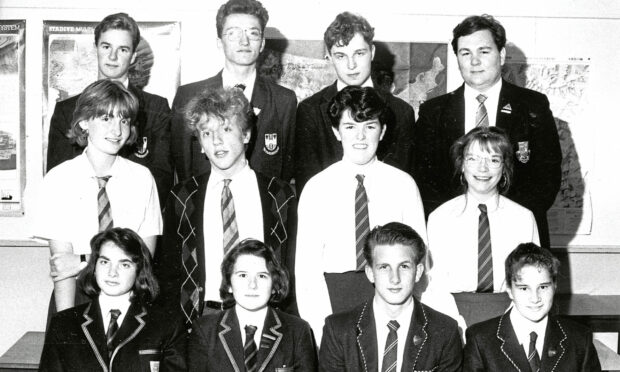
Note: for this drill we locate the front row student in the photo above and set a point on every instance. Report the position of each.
(250, 334)
(526, 337)
(393, 331)
(118, 330)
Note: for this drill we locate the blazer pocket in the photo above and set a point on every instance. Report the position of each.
(149, 360)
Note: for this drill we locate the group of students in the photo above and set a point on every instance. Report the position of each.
(233, 255)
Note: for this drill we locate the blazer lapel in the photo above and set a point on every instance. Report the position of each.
(455, 114)
(417, 337)
(132, 324)
(510, 347)
(553, 349)
(507, 109)
(230, 337)
(93, 330)
(367, 338)
(270, 339)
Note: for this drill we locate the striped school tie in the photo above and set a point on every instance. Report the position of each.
(482, 117)
(391, 348)
(485, 261)
(532, 356)
(249, 349)
(229, 219)
(112, 329)
(362, 225)
(103, 203)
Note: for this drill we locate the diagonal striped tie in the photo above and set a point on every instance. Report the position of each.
(249, 349)
(229, 220)
(391, 348)
(112, 329)
(362, 225)
(482, 117)
(485, 261)
(532, 357)
(103, 203)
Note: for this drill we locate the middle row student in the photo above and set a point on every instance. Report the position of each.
(208, 214)
(339, 205)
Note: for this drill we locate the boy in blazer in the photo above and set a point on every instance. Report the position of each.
(393, 331)
(251, 334)
(241, 37)
(209, 213)
(118, 330)
(478, 42)
(526, 337)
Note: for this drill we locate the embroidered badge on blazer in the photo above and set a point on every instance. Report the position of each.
(507, 109)
(523, 154)
(142, 148)
(271, 144)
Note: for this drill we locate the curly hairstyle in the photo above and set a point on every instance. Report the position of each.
(364, 103)
(343, 29)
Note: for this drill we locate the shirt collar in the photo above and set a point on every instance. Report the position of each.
(491, 93)
(255, 318)
(216, 177)
(89, 171)
(341, 85)
(229, 81)
(107, 303)
(492, 204)
(355, 169)
(382, 319)
(523, 327)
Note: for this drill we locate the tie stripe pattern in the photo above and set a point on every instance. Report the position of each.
(103, 205)
(391, 348)
(482, 117)
(112, 329)
(362, 225)
(249, 349)
(485, 261)
(532, 356)
(229, 219)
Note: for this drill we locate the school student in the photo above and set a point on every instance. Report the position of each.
(250, 333)
(118, 330)
(527, 337)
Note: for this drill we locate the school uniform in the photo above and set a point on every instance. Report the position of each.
(492, 345)
(350, 341)
(527, 119)
(271, 144)
(152, 147)
(147, 340)
(286, 344)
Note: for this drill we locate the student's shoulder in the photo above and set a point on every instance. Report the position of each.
(278, 91)
(153, 100)
(397, 104)
(192, 89)
(438, 320)
(571, 328)
(292, 321)
(315, 99)
(397, 177)
(67, 103)
(515, 208)
(346, 320)
(71, 314)
(449, 208)
(487, 327)
(190, 185)
(135, 169)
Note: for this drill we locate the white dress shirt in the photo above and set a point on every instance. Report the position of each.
(255, 318)
(381, 321)
(107, 303)
(249, 215)
(326, 227)
(341, 85)
(453, 240)
(523, 327)
(229, 81)
(68, 208)
(471, 105)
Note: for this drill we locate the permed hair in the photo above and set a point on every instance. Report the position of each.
(343, 29)
(364, 103)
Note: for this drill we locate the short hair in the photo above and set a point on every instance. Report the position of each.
(253, 247)
(394, 233)
(119, 21)
(530, 254)
(475, 23)
(222, 103)
(103, 97)
(364, 103)
(145, 287)
(250, 7)
(343, 29)
(490, 139)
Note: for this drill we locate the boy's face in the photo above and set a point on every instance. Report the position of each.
(394, 273)
(115, 272)
(359, 139)
(251, 283)
(115, 54)
(242, 40)
(223, 143)
(479, 60)
(532, 292)
(107, 134)
(352, 62)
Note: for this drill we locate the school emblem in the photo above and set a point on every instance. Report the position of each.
(523, 154)
(142, 148)
(271, 144)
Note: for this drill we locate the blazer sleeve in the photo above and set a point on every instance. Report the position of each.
(50, 359)
(159, 118)
(331, 353)
(591, 362)
(197, 349)
(397, 146)
(305, 351)
(287, 110)
(307, 157)
(180, 138)
(175, 348)
(472, 359)
(452, 354)
(59, 147)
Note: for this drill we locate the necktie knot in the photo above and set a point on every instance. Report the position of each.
(115, 313)
(103, 181)
(226, 182)
(360, 179)
(481, 98)
(241, 87)
(483, 208)
(533, 337)
(393, 325)
(250, 330)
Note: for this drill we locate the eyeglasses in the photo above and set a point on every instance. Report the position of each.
(493, 162)
(236, 33)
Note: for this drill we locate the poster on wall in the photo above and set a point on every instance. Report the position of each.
(12, 123)
(70, 62)
(413, 71)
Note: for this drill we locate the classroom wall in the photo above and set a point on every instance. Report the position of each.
(550, 28)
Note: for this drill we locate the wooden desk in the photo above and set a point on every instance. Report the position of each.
(25, 354)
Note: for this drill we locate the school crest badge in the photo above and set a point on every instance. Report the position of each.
(523, 154)
(142, 148)
(271, 144)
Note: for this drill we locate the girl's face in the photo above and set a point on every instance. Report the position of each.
(115, 272)
(482, 170)
(251, 283)
(107, 134)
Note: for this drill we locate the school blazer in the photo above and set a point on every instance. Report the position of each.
(179, 261)
(492, 346)
(286, 344)
(147, 338)
(350, 341)
(152, 147)
(270, 150)
(527, 119)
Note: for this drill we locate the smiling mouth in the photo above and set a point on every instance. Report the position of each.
(482, 178)
(360, 146)
(114, 139)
